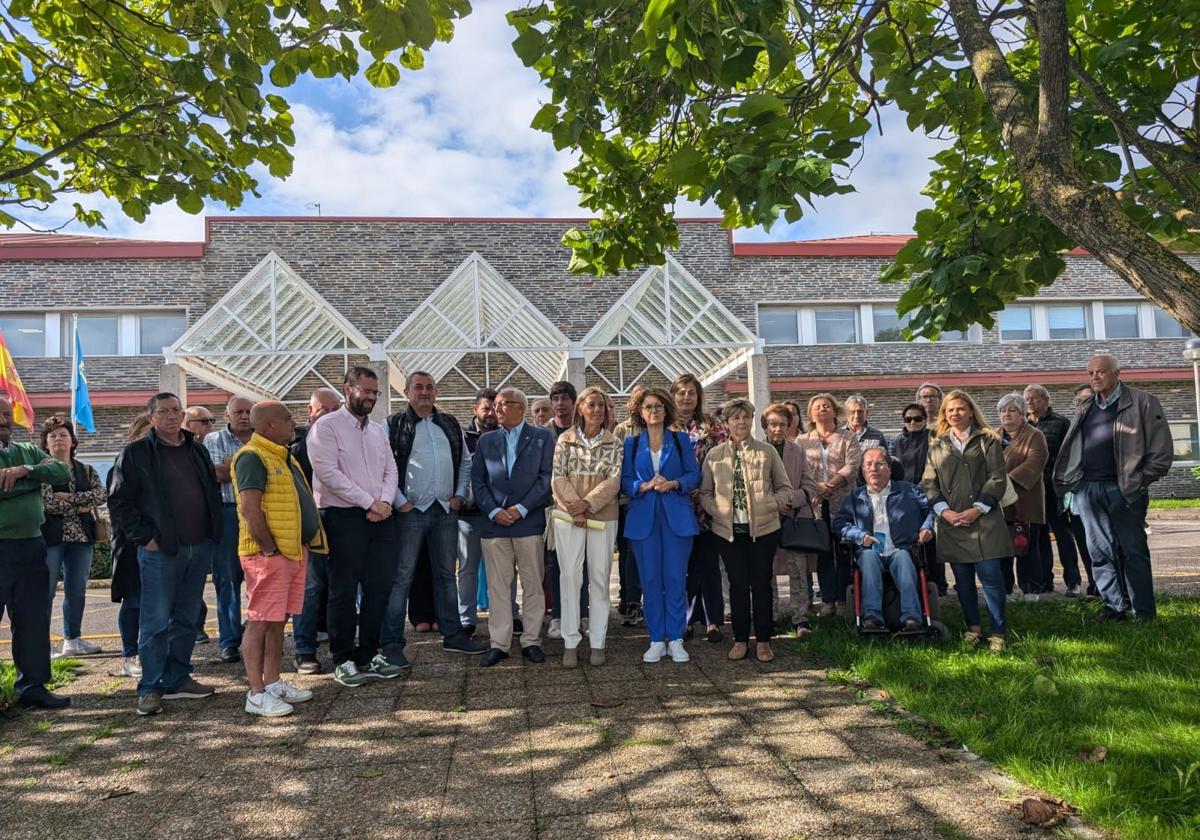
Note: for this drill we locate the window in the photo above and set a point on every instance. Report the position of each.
(24, 334)
(1164, 325)
(1121, 320)
(158, 331)
(99, 335)
(779, 326)
(889, 326)
(1187, 448)
(1016, 324)
(836, 326)
(1067, 322)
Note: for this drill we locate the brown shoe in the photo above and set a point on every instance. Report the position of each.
(763, 652)
(570, 658)
(996, 644)
(738, 651)
(597, 656)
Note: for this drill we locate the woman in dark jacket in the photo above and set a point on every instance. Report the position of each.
(70, 531)
(126, 587)
(1025, 456)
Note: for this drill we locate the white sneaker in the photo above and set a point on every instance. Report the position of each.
(678, 654)
(79, 647)
(284, 690)
(1031, 597)
(555, 631)
(267, 704)
(655, 652)
(131, 667)
(1014, 597)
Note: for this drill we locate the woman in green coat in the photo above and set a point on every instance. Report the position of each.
(965, 481)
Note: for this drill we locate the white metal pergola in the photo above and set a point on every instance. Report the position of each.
(477, 311)
(668, 320)
(266, 334)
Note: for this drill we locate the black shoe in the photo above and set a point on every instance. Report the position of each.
(307, 663)
(518, 625)
(534, 654)
(469, 630)
(230, 655)
(461, 644)
(873, 625)
(911, 626)
(689, 632)
(1107, 614)
(40, 698)
(493, 657)
(714, 635)
(634, 617)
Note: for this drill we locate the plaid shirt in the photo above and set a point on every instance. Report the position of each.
(221, 446)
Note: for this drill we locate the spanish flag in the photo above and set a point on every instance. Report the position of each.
(10, 383)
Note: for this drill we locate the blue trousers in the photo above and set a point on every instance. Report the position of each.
(662, 561)
(316, 596)
(172, 587)
(74, 561)
(227, 580)
(899, 565)
(991, 575)
(1111, 523)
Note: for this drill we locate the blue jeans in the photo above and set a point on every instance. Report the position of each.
(1116, 541)
(472, 576)
(227, 580)
(316, 595)
(74, 562)
(129, 617)
(991, 575)
(899, 565)
(413, 529)
(172, 587)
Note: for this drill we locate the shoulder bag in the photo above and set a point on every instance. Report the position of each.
(809, 535)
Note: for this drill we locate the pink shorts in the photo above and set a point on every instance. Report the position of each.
(274, 586)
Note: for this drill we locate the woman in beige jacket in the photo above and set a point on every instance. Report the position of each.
(776, 419)
(831, 457)
(585, 482)
(744, 488)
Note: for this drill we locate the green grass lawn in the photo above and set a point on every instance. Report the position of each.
(1173, 504)
(1065, 686)
(62, 671)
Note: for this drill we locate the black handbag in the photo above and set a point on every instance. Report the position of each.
(804, 534)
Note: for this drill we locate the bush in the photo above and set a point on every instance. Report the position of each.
(101, 561)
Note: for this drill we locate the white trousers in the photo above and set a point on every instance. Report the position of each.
(572, 544)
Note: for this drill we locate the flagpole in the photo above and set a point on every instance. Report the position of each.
(74, 365)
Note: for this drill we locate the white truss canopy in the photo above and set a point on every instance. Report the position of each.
(474, 311)
(266, 334)
(669, 320)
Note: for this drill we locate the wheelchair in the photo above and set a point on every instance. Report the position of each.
(932, 628)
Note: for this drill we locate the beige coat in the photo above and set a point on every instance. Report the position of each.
(592, 474)
(768, 490)
(960, 480)
(1025, 462)
(844, 458)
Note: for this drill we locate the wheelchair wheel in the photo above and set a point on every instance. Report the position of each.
(939, 631)
(848, 612)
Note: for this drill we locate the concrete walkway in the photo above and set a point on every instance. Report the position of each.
(709, 749)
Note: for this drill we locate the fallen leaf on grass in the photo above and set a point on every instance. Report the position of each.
(1094, 756)
(607, 704)
(370, 774)
(1045, 813)
(115, 792)
(1045, 686)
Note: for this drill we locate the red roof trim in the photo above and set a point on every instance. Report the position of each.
(62, 399)
(962, 380)
(850, 246)
(531, 220)
(128, 250)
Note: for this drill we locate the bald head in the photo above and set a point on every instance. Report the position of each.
(272, 420)
(323, 401)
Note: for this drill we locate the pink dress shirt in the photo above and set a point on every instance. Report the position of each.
(352, 462)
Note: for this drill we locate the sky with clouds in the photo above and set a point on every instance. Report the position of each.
(454, 140)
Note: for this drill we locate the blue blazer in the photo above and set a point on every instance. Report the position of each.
(908, 512)
(529, 484)
(678, 463)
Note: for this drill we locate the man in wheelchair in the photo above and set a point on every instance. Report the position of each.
(885, 520)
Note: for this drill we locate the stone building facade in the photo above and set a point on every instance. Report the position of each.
(808, 316)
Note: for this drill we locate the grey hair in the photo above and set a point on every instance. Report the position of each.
(1037, 389)
(1013, 399)
(925, 385)
(855, 398)
(867, 449)
(518, 393)
(738, 405)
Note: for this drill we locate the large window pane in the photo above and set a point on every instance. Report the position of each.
(98, 334)
(837, 326)
(1016, 324)
(1067, 322)
(889, 326)
(1121, 320)
(25, 335)
(158, 331)
(778, 326)
(1167, 327)
(1184, 435)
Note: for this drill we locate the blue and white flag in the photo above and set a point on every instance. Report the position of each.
(82, 412)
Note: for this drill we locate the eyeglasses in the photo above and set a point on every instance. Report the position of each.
(653, 408)
(207, 421)
(366, 392)
(914, 419)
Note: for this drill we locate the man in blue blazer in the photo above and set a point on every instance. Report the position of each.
(885, 520)
(510, 480)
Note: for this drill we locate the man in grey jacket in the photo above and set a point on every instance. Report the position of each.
(1117, 447)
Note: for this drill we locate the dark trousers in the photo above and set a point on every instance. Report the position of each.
(833, 567)
(627, 570)
(1116, 538)
(1031, 572)
(361, 553)
(421, 609)
(1084, 555)
(24, 586)
(1064, 539)
(935, 570)
(436, 531)
(129, 618)
(706, 603)
(316, 599)
(750, 565)
(227, 581)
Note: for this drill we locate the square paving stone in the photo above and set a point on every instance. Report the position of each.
(611, 825)
(478, 794)
(664, 788)
(706, 820)
(649, 760)
(792, 817)
(809, 745)
(749, 749)
(827, 776)
(752, 782)
(508, 830)
(579, 795)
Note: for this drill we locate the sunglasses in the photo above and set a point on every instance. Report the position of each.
(914, 419)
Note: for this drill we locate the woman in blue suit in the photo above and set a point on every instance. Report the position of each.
(658, 473)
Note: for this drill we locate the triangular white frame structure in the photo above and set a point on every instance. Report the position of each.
(675, 324)
(476, 310)
(266, 334)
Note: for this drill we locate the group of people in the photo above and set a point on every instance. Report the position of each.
(328, 524)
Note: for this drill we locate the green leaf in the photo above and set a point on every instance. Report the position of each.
(545, 119)
(529, 46)
(191, 202)
(685, 167)
(382, 74)
(756, 104)
(1119, 49)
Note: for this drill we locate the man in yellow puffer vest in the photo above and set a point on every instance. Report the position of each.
(278, 523)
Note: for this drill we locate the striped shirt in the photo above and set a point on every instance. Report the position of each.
(221, 447)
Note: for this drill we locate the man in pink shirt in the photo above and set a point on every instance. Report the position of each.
(354, 482)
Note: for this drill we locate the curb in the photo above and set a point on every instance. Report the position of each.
(1173, 514)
